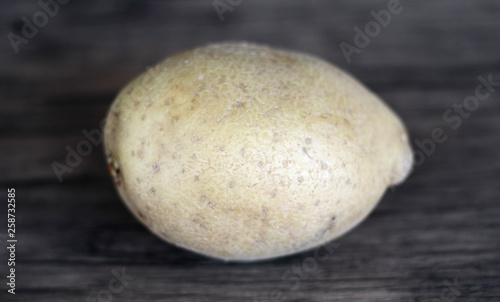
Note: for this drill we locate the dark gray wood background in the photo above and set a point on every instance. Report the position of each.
(440, 226)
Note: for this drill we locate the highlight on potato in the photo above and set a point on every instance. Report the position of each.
(244, 152)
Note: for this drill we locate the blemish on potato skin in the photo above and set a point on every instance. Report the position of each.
(300, 179)
(211, 204)
(196, 178)
(169, 101)
(203, 198)
(304, 149)
(195, 138)
(308, 140)
(329, 226)
(264, 211)
(276, 137)
(199, 220)
(231, 184)
(156, 168)
(265, 220)
(141, 215)
(331, 223)
(227, 210)
(202, 224)
(152, 191)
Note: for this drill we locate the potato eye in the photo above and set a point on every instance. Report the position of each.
(114, 170)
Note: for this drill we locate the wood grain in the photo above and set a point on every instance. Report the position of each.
(442, 225)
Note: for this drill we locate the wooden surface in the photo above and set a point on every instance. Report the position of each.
(440, 226)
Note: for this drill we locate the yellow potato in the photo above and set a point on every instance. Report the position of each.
(243, 152)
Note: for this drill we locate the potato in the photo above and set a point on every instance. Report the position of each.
(243, 152)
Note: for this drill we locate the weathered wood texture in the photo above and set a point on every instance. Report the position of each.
(442, 224)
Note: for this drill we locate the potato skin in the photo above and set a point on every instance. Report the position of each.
(243, 152)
